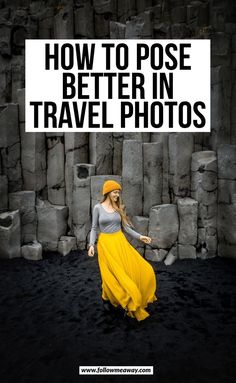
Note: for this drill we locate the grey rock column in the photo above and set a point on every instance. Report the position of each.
(132, 177)
(153, 171)
(33, 152)
(10, 146)
(56, 170)
(81, 202)
(188, 215)
(226, 223)
(24, 201)
(64, 23)
(84, 21)
(10, 235)
(163, 225)
(52, 224)
(204, 190)
(163, 138)
(101, 152)
(181, 146)
(117, 152)
(76, 150)
(3, 193)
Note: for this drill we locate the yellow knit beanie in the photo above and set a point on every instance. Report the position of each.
(110, 185)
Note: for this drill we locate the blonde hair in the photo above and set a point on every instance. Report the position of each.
(120, 208)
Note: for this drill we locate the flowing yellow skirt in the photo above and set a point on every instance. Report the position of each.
(127, 278)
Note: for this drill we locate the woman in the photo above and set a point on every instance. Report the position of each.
(128, 280)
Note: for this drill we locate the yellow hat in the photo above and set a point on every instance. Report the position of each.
(110, 185)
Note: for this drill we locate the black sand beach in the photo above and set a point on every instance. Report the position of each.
(53, 320)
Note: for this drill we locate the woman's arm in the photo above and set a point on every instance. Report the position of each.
(132, 232)
(94, 228)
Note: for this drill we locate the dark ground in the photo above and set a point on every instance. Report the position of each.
(52, 320)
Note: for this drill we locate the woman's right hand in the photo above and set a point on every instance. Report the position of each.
(91, 251)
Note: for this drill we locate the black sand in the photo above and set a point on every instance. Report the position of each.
(52, 321)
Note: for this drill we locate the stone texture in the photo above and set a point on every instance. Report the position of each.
(164, 138)
(24, 201)
(64, 23)
(21, 103)
(188, 214)
(117, 30)
(81, 202)
(32, 252)
(76, 150)
(204, 186)
(186, 251)
(152, 171)
(56, 171)
(117, 152)
(132, 176)
(3, 193)
(33, 159)
(100, 152)
(10, 234)
(125, 9)
(10, 146)
(66, 245)
(52, 224)
(84, 21)
(226, 227)
(172, 256)
(226, 155)
(155, 255)
(163, 225)
(226, 190)
(140, 27)
(181, 147)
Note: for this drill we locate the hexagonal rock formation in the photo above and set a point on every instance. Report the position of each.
(32, 251)
(25, 202)
(132, 176)
(163, 225)
(52, 224)
(188, 213)
(10, 234)
(152, 171)
(204, 190)
(81, 221)
(226, 223)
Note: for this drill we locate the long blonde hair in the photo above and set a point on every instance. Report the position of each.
(120, 208)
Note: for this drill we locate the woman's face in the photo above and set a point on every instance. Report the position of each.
(114, 195)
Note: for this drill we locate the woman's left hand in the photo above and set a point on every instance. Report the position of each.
(145, 239)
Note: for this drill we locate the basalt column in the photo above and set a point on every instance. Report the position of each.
(101, 152)
(226, 224)
(152, 170)
(181, 147)
(33, 152)
(76, 151)
(10, 146)
(24, 201)
(56, 170)
(204, 190)
(132, 177)
(81, 202)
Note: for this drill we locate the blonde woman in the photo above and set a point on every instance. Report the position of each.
(128, 280)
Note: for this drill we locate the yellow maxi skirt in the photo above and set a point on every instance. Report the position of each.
(127, 278)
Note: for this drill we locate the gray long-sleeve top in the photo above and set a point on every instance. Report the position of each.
(107, 223)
